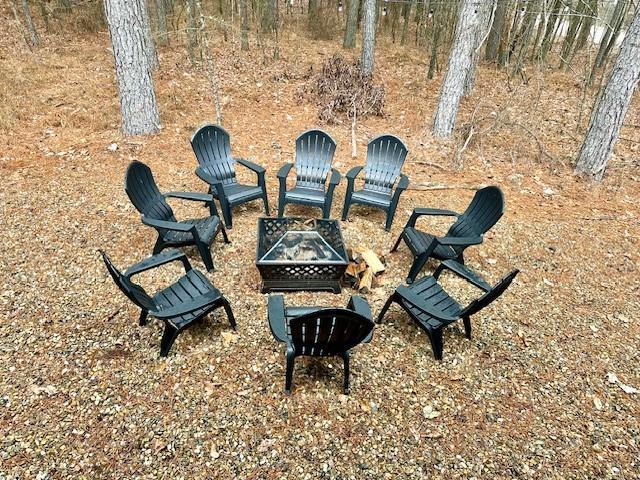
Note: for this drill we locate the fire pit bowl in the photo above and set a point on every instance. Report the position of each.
(299, 254)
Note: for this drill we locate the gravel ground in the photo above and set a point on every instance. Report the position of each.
(543, 390)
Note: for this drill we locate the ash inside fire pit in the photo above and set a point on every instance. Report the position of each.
(298, 246)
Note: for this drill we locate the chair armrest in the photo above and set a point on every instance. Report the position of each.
(423, 305)
(250, 165)
(403, 184)
(175, 226)
(201, 302)
(276, 317)
(463, 271)
(353, 173)
(360, 306)
(459, 241)
(284, 171)
(435, 212)
(155, 261)
(206, 176)
(335, 177)
(419, 212)
(193, 196)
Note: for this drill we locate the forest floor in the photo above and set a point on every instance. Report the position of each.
(544, 388)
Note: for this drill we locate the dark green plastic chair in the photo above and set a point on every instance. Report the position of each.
(156, 212)
(212, 147)
(180, 305)
(385, 157)
(314, 156)
(320, 332)
(483, 212)
(433, 309)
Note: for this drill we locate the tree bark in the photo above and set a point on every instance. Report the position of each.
(192, 32)
(161, 16)
(611, 108)
(472, 20)
(244, 27)
(211, 69)
(149, 43)
(495, 35)
(368, 36)
(33, 33)
(135, 84)
(352, 25)
(547, 39)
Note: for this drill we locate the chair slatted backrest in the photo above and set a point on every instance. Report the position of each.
(385, 157)
(497, 290)
(144, 193)
(329, 331)
(314, 156)
(483, 212)
(212, 147)
(134, 292)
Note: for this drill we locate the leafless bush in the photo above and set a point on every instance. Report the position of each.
(342, 88)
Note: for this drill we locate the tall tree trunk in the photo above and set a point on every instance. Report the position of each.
(473, 19)
(267, 20)
(495, 35)
(161, 17)
(591, 14)
(44, 14)
(192, 32)
(570, 38)
(244, 27)
(210, 65)
(613, 27)
(149, 43)
(611, 108)
(406, 14)
(505, 38)
(485, 9)
(135, 84)
(547, 39)
(35, 38)
(352, 24)
(435, 40)
(312, 13)
(368, 36)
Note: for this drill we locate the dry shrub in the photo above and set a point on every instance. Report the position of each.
(342, 88)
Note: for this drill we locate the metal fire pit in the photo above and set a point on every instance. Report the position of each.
(300, 254)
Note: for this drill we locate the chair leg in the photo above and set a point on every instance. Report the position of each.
(143, 318)
(326, 209)
(223, 230)
(226, 213)
(227, 308)
(159, 246)
(416, 266)
(213, 210)
(345, 358)
(390, 215)
(281, 205)
(289, 374)
(345, 209)
(265, 200)
(388, 303)
(205, 253)
(168, 337)
(436, 343)
(467, 327)
(397, 244)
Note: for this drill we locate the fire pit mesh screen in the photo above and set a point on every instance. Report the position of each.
(298, 254)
